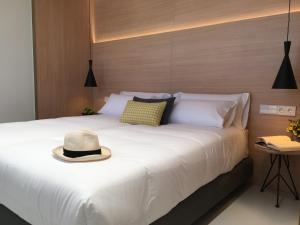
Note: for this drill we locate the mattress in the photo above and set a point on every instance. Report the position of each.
(151, 170)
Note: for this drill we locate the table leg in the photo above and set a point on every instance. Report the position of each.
(263, 187)
(278, 176)
(278, 180)
(294, 190)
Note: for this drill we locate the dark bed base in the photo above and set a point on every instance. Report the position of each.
(189, 210)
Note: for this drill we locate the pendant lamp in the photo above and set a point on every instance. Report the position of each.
(285, 78)
(90, 79)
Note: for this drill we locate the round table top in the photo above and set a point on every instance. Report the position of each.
(274, 151)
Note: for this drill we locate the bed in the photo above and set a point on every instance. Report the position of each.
(161, 175)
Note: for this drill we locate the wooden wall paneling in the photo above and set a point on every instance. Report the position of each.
(123, 18)
(61, 57)
(239, 56)
(142, 64)
(189, 12)
(227, 58)
(120, 19)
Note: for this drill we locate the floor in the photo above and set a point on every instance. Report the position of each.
(251, 207)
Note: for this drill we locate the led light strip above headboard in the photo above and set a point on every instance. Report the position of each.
(187, 27)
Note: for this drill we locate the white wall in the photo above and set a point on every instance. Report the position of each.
(16, 61)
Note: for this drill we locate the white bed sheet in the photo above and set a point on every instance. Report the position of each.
(12, 133)
(151, 170)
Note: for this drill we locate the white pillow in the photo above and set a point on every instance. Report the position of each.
(146, 95)
(115, 105)
(242, 100)
(204, 113)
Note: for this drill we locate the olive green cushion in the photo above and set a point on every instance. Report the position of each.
(143, 113)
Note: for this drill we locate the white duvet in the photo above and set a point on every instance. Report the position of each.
(151, 170)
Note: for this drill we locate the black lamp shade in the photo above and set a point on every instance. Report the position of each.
(285, 78)
(90, 79)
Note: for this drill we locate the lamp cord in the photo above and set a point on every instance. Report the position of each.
(90, 27)
(289, 19)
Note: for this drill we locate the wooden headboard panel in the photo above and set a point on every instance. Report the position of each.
(231, 57)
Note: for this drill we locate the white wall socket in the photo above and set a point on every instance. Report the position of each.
(280, 110)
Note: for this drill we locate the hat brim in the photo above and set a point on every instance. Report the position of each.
(105, 154)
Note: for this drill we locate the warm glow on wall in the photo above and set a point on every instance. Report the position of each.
(191, 26)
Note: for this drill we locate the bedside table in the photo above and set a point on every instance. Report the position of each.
(281, 158)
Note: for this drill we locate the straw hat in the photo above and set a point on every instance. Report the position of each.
(81, 146)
